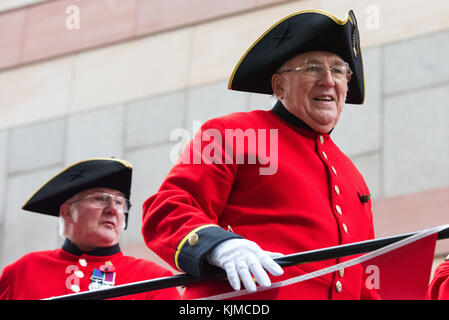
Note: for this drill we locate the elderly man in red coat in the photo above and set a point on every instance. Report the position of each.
(91, 198)
(253, 185)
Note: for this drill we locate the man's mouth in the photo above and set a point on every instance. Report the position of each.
(324, 98)
(109, 223)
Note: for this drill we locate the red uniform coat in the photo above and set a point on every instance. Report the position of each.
(45, 274)
(439, 286)
(316, 198)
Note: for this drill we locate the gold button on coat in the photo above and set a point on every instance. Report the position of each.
(345, 228)
(337, 190)
(82, 262)
(334, 171)
(321, 139)
(338, 208)
(338, 286)
(341, 272)
(193, 239)
(75, 288)
(324, 154)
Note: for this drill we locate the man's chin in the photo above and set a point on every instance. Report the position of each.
(107, 238)
(322, 126)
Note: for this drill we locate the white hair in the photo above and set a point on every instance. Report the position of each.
(74, 214)
(61, 223)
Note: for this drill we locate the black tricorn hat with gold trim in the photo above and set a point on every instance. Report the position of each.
(303, 31)
(91, 173)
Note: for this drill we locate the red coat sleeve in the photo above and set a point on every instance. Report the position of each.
(439, 286)
(180, 221)
(4, 285)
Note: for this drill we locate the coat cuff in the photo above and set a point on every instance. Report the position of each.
(190, 256)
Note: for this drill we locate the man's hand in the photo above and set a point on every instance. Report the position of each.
(240, 258)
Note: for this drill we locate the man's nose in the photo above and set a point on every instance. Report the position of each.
(111, 207)
(327, 79)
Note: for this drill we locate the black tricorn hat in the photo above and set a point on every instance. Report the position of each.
(91, 173)
(303, 31)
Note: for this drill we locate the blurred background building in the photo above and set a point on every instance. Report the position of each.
(101, 78)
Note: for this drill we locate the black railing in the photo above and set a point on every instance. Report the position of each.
(284, 261)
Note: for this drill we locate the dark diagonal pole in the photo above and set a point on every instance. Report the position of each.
(285, 261)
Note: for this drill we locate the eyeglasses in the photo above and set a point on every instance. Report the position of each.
(102, 200)
(315, 71)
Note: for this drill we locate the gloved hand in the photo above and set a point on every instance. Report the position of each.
(240, 258)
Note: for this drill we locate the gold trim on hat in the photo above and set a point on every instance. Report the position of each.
(124, 162)
(334, 18)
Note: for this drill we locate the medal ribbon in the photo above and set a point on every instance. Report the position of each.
(101, 279)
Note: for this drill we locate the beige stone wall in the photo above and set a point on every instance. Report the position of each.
(171, 60)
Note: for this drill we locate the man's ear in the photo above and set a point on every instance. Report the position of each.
(65, 212)
(277, 84)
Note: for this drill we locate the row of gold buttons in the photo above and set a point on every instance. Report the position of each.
(75, 288)
(338, 284)
(336, 188)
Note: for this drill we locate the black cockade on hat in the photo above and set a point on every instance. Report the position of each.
(304, 31)
(92, 173)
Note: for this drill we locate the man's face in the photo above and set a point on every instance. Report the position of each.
(319, 102)
(89, 225)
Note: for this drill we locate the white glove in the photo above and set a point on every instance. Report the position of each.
(240, 258)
